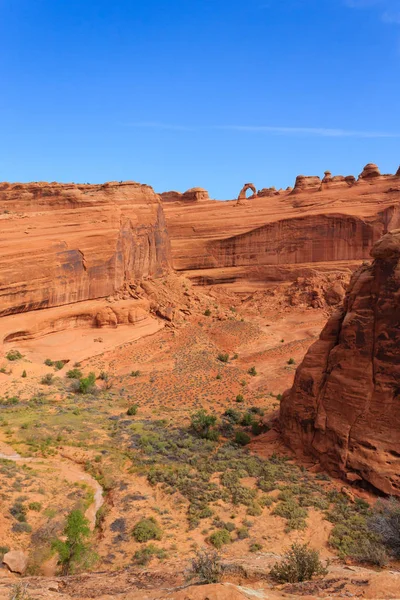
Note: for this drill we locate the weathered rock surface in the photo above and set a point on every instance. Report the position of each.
(67, 243)
(370, 171)
(344, 406)
(16, 561)
(321, 223)
(195, 194)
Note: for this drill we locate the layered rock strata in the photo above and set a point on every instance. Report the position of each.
(67, 243)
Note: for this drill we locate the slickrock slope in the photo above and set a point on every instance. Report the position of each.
(318, 222)
(66, 243)
(344, 406)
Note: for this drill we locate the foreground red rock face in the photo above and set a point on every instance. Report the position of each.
(65, 243)
(344, 406)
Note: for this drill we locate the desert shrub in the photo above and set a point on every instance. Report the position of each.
(258, 428)
(74, 374)
(372, 552)
(294, 514)
(3, 551)
(58, 365)
(21, 528)
(242, 438)
(104, 376)
(233, 415)
(36, 506)
(144, 555)
(385, 524)
(300, 563)
(203, 423)
(223, 357)
(135, 373)
(239, 398)
(220, 538)
(207, 312)
(13, 355)
(18, 511)
(205, 567)
(252, 371)
(291, 361)
(146, 530)
(84, 385)
(255, 547)
(242, 533)
(132, 410)
(254, 510)
(49, 362)
(23, 373)
(350, 526)
(20, 592)
(247, 419)
(48, 379)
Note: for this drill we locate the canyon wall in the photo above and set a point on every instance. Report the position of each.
(67, 243)
(344, 406)
(318, 222)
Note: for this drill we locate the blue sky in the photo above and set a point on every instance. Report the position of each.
(211, 93)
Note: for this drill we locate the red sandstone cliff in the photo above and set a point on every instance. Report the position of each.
(65, 243)
(344, 406)
(336, 219)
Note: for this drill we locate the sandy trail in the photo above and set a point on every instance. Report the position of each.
(69, 471)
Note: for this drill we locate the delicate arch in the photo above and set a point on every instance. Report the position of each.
(247, 186)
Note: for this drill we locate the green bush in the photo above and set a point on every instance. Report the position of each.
(74, 550)
(59, 364)
(300, 563)
(385, 524)
(291, 361)
(255, 547)
(74, 374)
(144, 555)
(242, 438)
(23, 373)
(49, 362)
(135, 373)
(146, 530)
(220, 538)
(247, 419)
(252, 371)
(132, 410)
(233, 415)
(243, 533)
(202, 423)
(223, 357)
(48, 379)
(207, 312)
(35, 506)
(13, 355)
(239, 398)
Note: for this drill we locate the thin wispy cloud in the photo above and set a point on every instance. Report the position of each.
(388, 10)
(270, 129)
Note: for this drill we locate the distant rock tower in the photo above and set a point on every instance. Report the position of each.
(370, 171)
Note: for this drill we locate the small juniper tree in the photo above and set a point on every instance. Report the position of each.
(75, 548)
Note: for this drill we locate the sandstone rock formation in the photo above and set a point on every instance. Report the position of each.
(321, 225)
(196, 194)
(344, 406)
(66, 243)
(247, 186)
(16, 561)
(306, 184)
(370, 171)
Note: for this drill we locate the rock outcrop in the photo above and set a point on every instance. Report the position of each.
(196, 194)
(67, 243)
(344, 406)
(322, 223)
(370, 171)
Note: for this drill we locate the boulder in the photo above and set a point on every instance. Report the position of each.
(16, 561)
